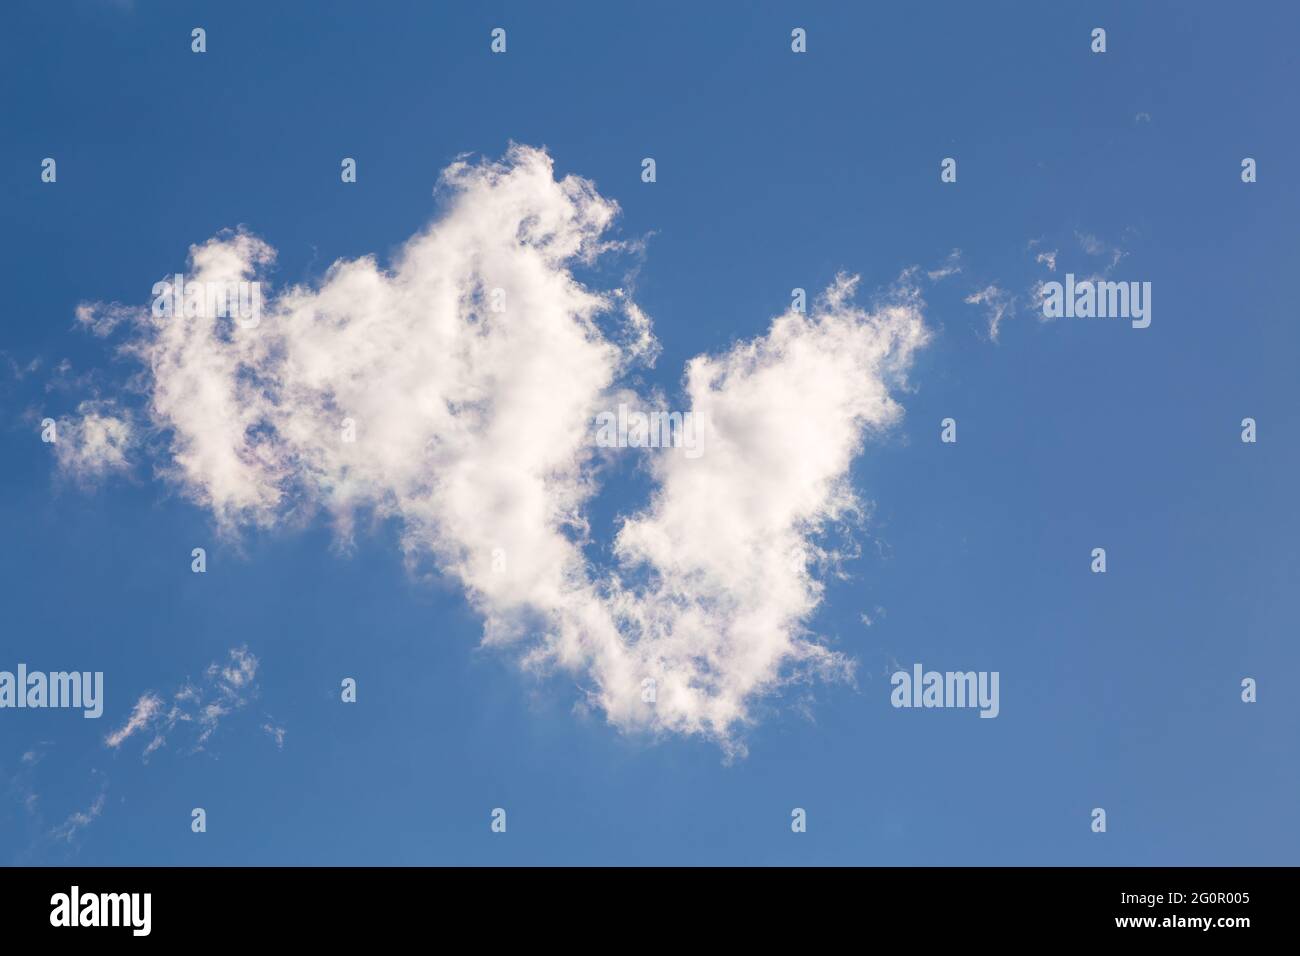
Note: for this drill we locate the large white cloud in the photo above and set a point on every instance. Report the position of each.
(473, 426)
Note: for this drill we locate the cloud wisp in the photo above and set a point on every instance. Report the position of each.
(79, 820)
(400, 392)
(224, 689)
(998, 305)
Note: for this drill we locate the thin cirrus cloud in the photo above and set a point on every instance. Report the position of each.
(196, 706)
(712, 582)
(80, 819)
(190, 715)
(998, 305)
(23, 786)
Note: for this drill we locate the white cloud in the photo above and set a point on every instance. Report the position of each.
(22, 786)
(1090, 243)
(103, 319)
(998, 304)
(275, 733)
(226, 688)
(1096, 247)
(727, 544)
(94, 443)
(473, 427)
(146, 708)
(79, 820)
(951, 266)
(240, 670)
(18, 370)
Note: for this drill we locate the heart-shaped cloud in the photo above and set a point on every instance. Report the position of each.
(457, 390)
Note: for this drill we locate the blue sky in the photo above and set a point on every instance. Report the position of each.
(774, 170)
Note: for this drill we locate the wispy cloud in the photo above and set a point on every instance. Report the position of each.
(950, 267)
(998, 304)
(869, 619)
(142, 715)
(22, 786)
(275, 733)
(1097, 247)
(18, 370)
(1046, 257)
(79, 820)
(1091, 246)
(226, 687)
